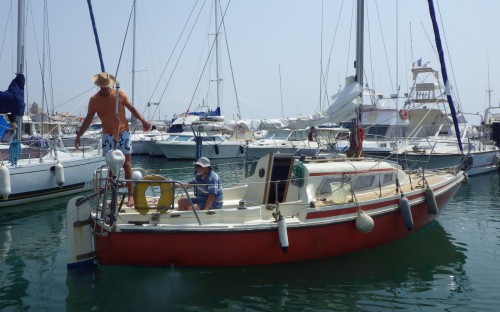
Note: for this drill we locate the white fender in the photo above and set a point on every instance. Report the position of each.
(283, 233)
(115, 160)
(364, 223)
(5, 189)
(136, 175)
(59, 171)
(79, 234)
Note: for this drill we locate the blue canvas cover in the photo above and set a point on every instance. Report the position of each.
(12, 100)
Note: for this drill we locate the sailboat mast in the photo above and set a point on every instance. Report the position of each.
(133, 120)
(216, 3)
(359, 41)
(20, 55)
(356, 130)
(447, 89)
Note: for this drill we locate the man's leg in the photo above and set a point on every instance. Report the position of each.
(127, 166)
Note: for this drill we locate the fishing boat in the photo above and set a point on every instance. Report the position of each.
(291, 208)
(45, 169)
(313, 139)
(432, 136)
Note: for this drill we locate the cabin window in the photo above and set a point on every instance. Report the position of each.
(388, 179)
(376, 131)
(362, 182)
(396, 132)
(325, 187)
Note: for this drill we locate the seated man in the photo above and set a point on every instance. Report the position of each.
(209, 188)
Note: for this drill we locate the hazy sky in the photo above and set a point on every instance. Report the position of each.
(277, 51)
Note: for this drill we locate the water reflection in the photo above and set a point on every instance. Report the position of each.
(426, 266)
(30, 238)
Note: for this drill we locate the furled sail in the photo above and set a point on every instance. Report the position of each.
(12, 100)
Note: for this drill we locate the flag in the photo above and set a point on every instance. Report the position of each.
(418, 63)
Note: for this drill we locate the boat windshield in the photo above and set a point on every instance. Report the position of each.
(282, 134)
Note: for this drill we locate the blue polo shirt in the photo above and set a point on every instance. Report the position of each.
(206, 186)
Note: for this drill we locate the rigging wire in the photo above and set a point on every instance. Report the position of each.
(231, 67)
(331, 52)
(124, 40)
(350, 38)
(449, 58)
(181, 52)
(385, 48)
(208, 58)
(7, 20)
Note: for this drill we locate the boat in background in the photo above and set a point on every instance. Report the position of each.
(47, 170)
(432, 136)
(214, 146)
(149, 142)
(312, 141)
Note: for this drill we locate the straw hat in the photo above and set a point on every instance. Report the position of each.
(203, 161)
(104, 80)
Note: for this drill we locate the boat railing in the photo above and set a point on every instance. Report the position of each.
(109, 194)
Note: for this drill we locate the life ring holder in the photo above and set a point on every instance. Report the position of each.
(404, 114)
(167, 191)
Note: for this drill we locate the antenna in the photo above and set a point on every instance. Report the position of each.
(281, 93)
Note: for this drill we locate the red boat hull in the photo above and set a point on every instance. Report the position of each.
(257, 247)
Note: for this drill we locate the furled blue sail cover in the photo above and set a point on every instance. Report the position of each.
(12, 100)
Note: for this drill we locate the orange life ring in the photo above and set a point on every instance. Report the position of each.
(404, 114)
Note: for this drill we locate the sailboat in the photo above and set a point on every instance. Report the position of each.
(290, 209)
(201, 132)
(49, 173)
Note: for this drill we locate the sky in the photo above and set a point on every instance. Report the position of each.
(272, 53)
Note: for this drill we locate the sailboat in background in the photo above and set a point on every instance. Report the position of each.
(202, 132)
(52, 171)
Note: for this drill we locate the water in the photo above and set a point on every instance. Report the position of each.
(452, 265)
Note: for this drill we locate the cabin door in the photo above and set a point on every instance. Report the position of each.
(280, 171)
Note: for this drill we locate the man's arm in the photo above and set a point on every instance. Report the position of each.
(85, 125)
(209, 202)
(146, 125)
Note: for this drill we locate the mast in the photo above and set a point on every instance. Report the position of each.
(447, 89)
(133, 120)
(359, 41)
(355, 143)
(216, 3)
(20, 56)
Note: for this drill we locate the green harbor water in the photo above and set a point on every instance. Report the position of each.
(452, 265)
